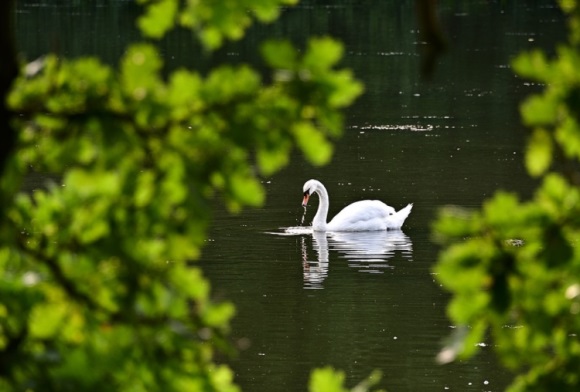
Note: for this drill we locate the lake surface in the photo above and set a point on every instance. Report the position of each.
(368, 301)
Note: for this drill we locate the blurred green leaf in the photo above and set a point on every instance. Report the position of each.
(139, 68)
(568, 136)
(454, 222)
(158, 18)
(247, 189)
(539, 110)
(219, 314)
(533, 65)
(271, 161)
(347, 89)
(322, 54)
(539, 152)
(279, 54)
(315, 146)
(327, 380)
(46, 320)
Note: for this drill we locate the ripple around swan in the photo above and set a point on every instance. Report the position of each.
(294, 230)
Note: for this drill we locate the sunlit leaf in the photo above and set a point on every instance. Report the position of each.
(347, 89)
(315, 146)
(539, 110)
(539, 152)
(279, 54)
(247, 189)
(145, 189)
(322, 53)
(219, 314)
(139, 69)
(568, 136)
(266, 11)
(47, 319)
(532, 65)
(271, 161)
(456, 222)
(501, 209)
(158, 19)
(326, 380)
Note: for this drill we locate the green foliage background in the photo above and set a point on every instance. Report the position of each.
(514, 266)
(97, 287)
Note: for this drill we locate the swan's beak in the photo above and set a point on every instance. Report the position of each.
(305, 200)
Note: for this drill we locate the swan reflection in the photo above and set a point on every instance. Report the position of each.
(365, 251)
(315, 271)
(370, 251)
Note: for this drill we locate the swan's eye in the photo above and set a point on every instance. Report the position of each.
(307, 193)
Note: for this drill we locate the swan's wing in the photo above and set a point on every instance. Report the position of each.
(365, 215)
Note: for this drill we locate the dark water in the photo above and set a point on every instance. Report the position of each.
(361, 301)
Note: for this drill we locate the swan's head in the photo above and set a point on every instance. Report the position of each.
(309, 188)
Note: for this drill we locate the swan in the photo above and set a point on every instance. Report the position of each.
(364, 215)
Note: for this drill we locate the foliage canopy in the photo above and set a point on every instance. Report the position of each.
(514, 266)
(96, 284)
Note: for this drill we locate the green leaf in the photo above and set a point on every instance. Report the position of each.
(469, 307)
(139, 71)
(326, 380)
(462, 259)
(219, 314)
(247, 190)
(532, 65)
(500, 210)
(190, 280)
(144, 189)
(279, 54)
(568, 137)
(47, 319)
(539, 152)
(539, 110)
(312, 142)
(347, 89)
(158, 19)
(227, 83)
(266, 11)
(322, 54)
(271, 160)
(184, 94)
(211, 38)
(455, 222)
(87, 184)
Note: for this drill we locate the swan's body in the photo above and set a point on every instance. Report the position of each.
(365, 215)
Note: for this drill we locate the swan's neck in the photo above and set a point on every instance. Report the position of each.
(319, 221)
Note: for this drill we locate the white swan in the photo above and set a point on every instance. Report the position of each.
(365, 215)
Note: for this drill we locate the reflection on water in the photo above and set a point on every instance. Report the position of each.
(397, 127)
(368, 251)
(315, 271)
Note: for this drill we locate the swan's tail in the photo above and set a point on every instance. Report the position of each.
(396, 220)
